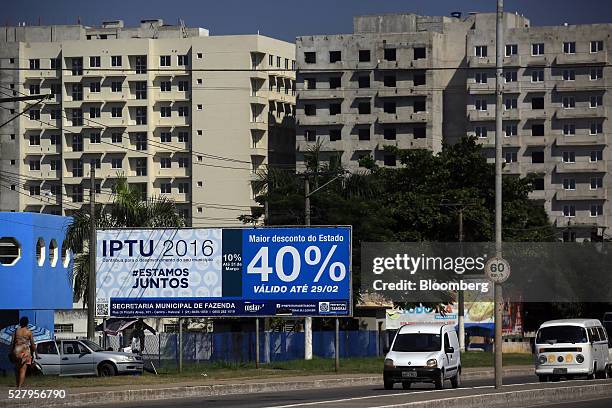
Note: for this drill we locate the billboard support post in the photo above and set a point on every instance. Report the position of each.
(91, 286)
(180, 343)
(337, 347)
(257, 342)
(307, 320)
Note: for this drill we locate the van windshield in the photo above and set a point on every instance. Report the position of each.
(561, 334)
(417, 342)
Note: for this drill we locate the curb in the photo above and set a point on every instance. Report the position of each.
(151, 394)
(512, 399)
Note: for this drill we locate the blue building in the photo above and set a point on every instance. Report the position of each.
(35, 269)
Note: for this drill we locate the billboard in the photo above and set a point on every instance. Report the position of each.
(478, 314)
(223, 272)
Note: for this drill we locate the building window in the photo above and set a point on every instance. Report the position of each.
(310, 83)
(389, 107)
(389, 81)
(34, 114)
(335, 56)
(77, 168)
(34, 63)
(183, 86)
(596, 101)
(569, 236)
(165, 162)
(141, 115)
(164, 60)
(56, 89)
(96, 164)
(165, 86)
(480, 104)
(183, 137)
(335, 135)
(596, 155)
(569, 157)
(569, 47)
(596, 128)
(596, 210)
(116, 86)
(569, 75)
(569, 102)
(569, 184)
(183, 111)
(165, 188)
(141, 167)
(511, 49)
(335, 82)
(310, 135)
(310, 57)
(480, 51)
(596, 183)
(390, 160)
(597, 46)
(55, 139)
(141, 64)
(77, 92)
(364, 133)
(537, 129)
(419, 105)
(35, 140)
(419, 78)
(389, 133)
(77, 194)
(34, 89)
(55, 63)
(310, 109)
(596, 73)
(77, 66)
(34, 164)
(141, 90)
(364, 108)
(364, 81)
(278, 62)
(537, 157)
(55, 113)
(94, 87)
(94, 138)
(94, 112)
(569, 211)
(537, 75)
(116, 163)
(480, 131)
(116, 137)
(569, 129)
(364, 56)
(480, 77)
(511, 157)
(537, 102)
(183, 188)
(77, 143)
(537, 49)
(389, 54)
(183, 162)
(94, 62)
(55, 165)
(510, 76)
(511, 129)
(183, 60)
(116, 61)
(511, 103)
(141, 141)
(334, 108)
(420, 53)
(116, 111)
(165, 137)
(419, 132)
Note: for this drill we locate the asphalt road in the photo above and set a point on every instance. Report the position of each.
(359, 397)
(602, 403)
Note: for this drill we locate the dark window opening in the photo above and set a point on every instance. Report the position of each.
(419, 132)
(390, 160)
(335, 82)
(420, 53)
(364, 81)
(538, 184)
(537, 157)
(419, 79)
(389, 80)
(364, 108)
(390, 134)
(335, 56)
(310, 57)
(537, 129)
(310, 135)
(310, 109)
(389, 107)
(390, 54)
(419, 106)
(335, 135)
(334, 108)
(364, 134)
(537, 102)
(364, 55)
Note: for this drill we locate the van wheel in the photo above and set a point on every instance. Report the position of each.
(406, 385)
(388, 385)
(106, 370)
(439, 381)
(543, 378)
(456, 380)
(602, 375)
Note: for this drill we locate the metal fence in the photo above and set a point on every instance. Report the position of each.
(240, 346)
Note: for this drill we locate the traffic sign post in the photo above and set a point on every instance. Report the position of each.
(497, 270)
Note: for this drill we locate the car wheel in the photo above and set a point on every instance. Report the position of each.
(456, 380)
(406, 385)
(388, 385)
(106, 370)
(602, 375)
(439, 381)
(543, 378)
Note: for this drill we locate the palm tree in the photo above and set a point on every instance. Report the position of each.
(127, 210)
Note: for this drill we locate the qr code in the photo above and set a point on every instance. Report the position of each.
(323, 307)
(102, 309)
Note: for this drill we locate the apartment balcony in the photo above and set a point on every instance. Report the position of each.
(481, 115)
(365, 145)
(582, 167)
(511, 114)
(281, 97)
(481, 62)
(539, 168)
(320, 120)
(362, 92)
(538, 195)
(258, 100)
(511, 168)
(259, 151)
(580, 84)
(133, 101)
(257, 74)
(481, 89)
(536, 141)
(536, 60)
(415, 117)
(93, 73)
(595, 58)
(512, 61)
(581, 195)
(582, 112)
(393, 92)
(93, 97)
(69, 78)
(318, 94)
(42, 73)
(258, 125)
(365, 119)
(71, 103)
(580, 221)
(510, 141)
(535, 114)
(582, 140)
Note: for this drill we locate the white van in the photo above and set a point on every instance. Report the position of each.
(571, 347)
(423, 353)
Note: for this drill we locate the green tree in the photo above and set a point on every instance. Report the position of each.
(127, 210)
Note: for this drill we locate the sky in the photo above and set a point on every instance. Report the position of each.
(286, 19)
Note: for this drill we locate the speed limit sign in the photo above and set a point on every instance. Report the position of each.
(497, 269)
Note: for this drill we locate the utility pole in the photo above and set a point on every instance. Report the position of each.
(460, 298)
(91, 287)
(499, 45)
(307, 320)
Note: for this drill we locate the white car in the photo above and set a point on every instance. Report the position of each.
(423, 353)
(571, 347)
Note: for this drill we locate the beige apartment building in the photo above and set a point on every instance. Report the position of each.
(182, 114)
(417, 81)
